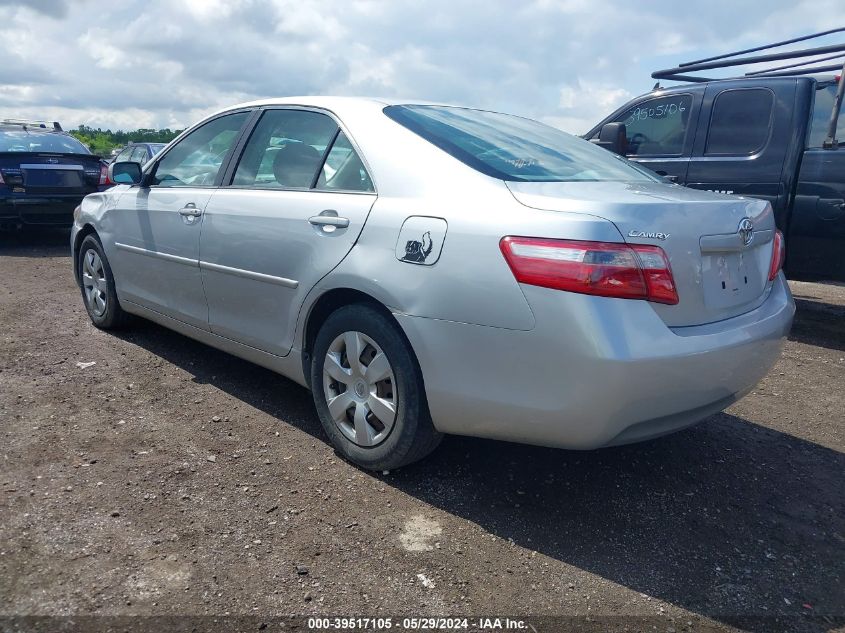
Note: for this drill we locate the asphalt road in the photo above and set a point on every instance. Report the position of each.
(172, 479)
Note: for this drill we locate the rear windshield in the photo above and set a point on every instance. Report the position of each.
(513, 148)
(29, 141)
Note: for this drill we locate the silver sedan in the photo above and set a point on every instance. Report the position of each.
(427, 269)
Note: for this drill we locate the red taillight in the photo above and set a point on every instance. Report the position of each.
(104, 175)
(778, 255)
(607, 269)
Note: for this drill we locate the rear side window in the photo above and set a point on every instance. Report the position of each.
(343, 169)
(513, 148)
(822, 109)
(285, 150)
(124, 155)
(657, 127)
(740, 121)
(139, 155)
(26, 141)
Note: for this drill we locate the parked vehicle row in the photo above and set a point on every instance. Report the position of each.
(428, 269)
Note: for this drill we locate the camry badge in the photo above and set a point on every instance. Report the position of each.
(649, 234)
(746, 231)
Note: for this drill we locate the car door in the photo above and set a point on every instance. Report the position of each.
(816, 234)
(298, 199)
(660, 132)
(157, 223)
(742, 141)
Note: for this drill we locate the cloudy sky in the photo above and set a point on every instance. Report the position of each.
(166, 63)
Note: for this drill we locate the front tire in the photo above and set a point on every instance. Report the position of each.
(368, 390)
(97, 285)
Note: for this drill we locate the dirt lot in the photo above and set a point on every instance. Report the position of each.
(172, 479)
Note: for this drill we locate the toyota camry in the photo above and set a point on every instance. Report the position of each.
(427, 269)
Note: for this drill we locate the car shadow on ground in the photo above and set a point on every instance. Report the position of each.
(727, 519)
(819, 323)
(35, 242)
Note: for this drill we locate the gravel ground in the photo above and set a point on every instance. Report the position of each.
(171, 479)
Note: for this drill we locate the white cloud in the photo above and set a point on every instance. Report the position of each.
(159, 63)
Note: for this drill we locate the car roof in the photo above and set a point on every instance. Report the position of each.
(331, 103)
(21, 131)
(687, 87)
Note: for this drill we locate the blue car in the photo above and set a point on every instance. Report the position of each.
(138, 152)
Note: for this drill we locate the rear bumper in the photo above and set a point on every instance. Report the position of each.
(40, 210)
(594, 371)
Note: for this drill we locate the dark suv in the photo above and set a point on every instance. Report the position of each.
(44, 174)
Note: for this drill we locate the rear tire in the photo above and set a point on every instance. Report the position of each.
(368, 390)
(97, 285)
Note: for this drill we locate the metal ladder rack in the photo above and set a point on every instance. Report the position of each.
(798, 67)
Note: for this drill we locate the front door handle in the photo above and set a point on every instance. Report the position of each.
(328, 220)
(190, 210)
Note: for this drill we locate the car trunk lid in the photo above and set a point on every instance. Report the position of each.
(717, 274)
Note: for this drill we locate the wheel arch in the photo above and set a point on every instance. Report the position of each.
(325, 305)
(84, 232)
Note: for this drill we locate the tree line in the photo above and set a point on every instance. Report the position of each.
(102, 142)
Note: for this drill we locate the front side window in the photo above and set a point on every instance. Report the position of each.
(285, 150)
(196, 160)
(657, 127)
(822, 109)
(740, 122)
(513, 148)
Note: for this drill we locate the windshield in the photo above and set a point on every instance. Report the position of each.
(513, 148)
(27, 141)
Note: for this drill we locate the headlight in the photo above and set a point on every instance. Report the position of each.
(76, 212)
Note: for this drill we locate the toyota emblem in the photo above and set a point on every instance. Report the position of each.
(746, 231)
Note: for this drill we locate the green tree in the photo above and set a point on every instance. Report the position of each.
(102, 142)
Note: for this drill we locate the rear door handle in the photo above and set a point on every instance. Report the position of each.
(329, 218)
(670, 178)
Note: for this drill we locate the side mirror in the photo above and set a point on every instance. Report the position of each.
(125, 173)
(614, 137)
